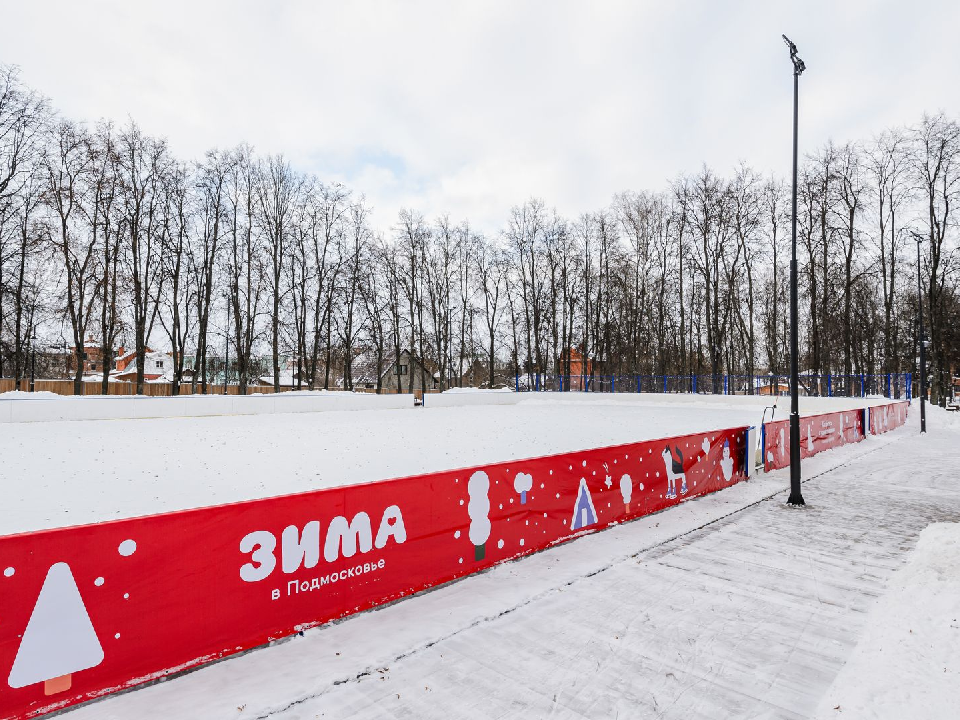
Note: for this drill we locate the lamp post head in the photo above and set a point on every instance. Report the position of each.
(798, 65)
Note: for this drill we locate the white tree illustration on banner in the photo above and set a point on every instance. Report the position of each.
(522, 483)
(626, 490)
(479, 510)
(59, 639)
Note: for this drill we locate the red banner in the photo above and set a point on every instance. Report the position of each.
(884, 418)
(93, 609)
(817, 433)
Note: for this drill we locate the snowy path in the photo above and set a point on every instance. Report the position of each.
(753, 615)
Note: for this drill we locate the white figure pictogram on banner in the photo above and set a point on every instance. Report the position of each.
(674, 467)
(726, 462)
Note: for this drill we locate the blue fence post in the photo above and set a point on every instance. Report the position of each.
(862, 393)
(693, 383)
(726, 384)
(518, 382)
(537, 382)
(664, 384)
(613, 383)
(638, 384)
(909, 386)
(829, 385)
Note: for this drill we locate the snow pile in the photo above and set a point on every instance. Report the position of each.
(23, 395)
(908, 662)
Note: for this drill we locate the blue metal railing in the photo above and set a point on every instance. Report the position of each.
(890, 385)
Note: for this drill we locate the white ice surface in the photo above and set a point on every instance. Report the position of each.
(752, 615)
(56, 474)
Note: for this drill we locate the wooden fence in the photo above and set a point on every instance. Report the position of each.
(65, 387)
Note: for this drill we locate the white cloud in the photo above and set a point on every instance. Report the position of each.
(469, 108)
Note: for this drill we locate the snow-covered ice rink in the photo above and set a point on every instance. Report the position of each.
(732, 605)
(62, 473)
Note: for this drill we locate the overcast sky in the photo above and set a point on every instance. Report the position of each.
(469, 108)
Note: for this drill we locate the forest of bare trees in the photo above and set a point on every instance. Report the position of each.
(104, 233)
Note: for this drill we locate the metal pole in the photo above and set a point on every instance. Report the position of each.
(226, 348)
(923, 354)
(33, 359)
(796, 497)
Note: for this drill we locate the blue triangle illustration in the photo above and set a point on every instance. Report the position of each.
(583, 512)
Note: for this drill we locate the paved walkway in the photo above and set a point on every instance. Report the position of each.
(750, 616)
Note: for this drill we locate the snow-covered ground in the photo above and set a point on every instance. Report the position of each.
(907, 663)
(69, 473)
(728, 606)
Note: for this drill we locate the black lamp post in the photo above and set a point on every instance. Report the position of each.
(33, 358)
(226, 348)
(796, 497)
(923, 343)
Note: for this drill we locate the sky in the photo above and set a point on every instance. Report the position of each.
(471, 108)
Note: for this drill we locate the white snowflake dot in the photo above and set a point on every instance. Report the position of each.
(461, 561)
(117, 636)
(461, 502)
(98, 582)
(126, 596)
(457, 534)
(127, 548)
(521, 542)
(500, 543)
(9, 572)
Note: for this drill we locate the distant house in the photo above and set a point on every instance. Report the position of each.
(156, 366)
(579, 368)
(780, 386)
(91, 359)
(288, 374)
(407, 373)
